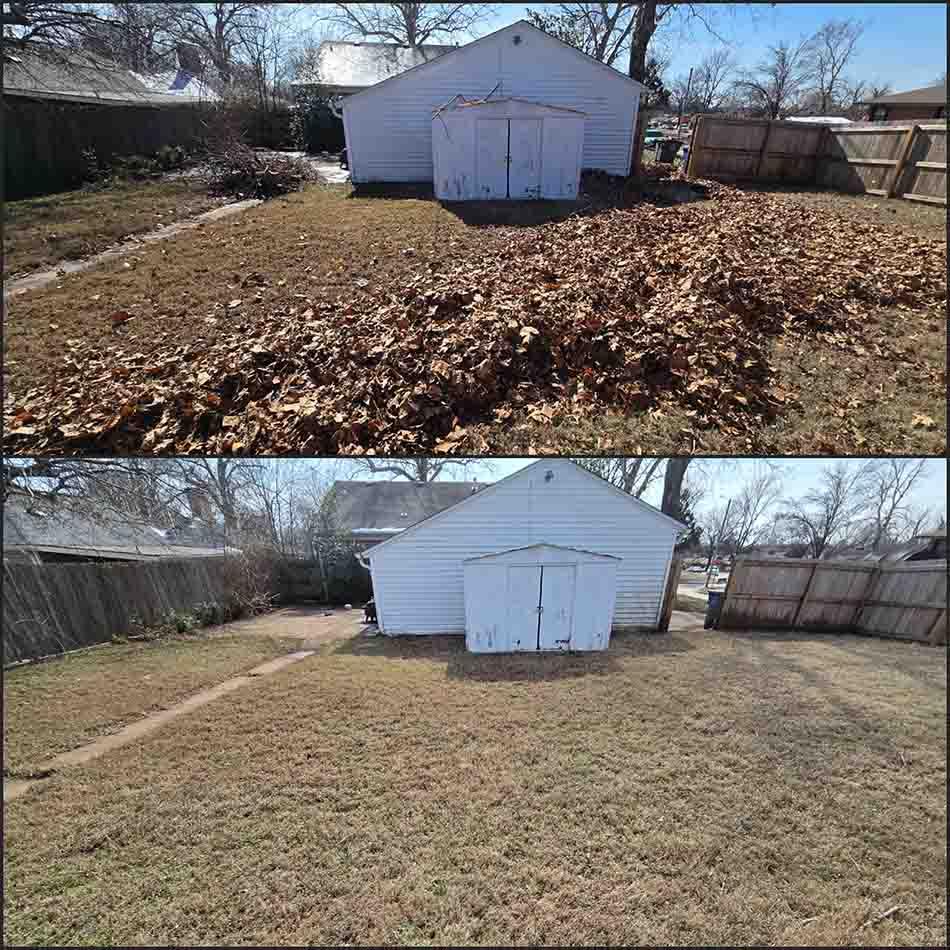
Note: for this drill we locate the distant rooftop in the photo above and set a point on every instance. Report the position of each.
(42, 525)
(382, 506)
(66, 75)
(927, 96)
(352, 66)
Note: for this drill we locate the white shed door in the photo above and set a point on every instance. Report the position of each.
(557, 606)
(524, 593)
(492, 168)
(524, 176)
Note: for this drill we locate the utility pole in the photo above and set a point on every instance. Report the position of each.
(715, 543)
(689, 86)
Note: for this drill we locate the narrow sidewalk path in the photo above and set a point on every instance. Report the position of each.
(15, 788)
(42, 278)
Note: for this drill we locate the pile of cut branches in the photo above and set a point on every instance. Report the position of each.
(234, 168)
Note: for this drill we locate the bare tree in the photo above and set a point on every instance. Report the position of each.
(632, 475)
(710, 84)
(53, 24)
(601, 30)
(826, 514)
(752, 503)
(408, 24)
(424, 469)
(887, 486)
(219, 30)
(777, 82)
(832, 48)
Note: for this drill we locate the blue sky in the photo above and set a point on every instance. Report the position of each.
(720, 476)
(904, 44)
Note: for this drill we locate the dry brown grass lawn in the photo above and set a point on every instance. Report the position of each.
(687, 788)
(40, 232)
(58, 705)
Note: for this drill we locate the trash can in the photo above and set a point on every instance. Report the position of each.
(666, 149)
(713, 609)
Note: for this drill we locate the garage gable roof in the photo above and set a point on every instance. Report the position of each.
(517, 25)
(543, 544)
(666, 520)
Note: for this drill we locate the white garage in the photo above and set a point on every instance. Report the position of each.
(540, 598)
(506, 148)
(389, 126)
(419, 575)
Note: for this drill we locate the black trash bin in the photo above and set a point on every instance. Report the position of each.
(713, 609)
(666, 149)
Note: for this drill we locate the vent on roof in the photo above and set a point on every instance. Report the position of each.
(516, 39)
(549, 476)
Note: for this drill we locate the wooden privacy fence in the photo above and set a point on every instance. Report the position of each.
(903, 159)
(52, 608)
(908, 601)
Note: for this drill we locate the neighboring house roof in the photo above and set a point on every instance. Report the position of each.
(820, 119)
(385, 507)
(672, 522)
(518, 25)
(353, 66)
(927, 96)
(82, 77)
(44, 526)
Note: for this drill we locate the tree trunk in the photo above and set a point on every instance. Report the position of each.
(673, 486)
(642, 34)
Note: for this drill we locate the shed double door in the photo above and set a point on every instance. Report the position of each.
(509, 158)
(540, 606)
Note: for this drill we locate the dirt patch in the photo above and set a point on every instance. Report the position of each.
(454, 337)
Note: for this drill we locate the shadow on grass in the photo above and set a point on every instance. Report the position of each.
(480, 214)
(461, 664)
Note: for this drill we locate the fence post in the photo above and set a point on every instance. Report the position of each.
(935, 627)
(801, 603)
(905, 153)
(725, 594)
(669, 597)
(865, 597)
(692, 146)
(762, 151)
(823, 137)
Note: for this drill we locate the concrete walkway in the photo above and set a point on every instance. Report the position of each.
(42, 278)
(142, 727)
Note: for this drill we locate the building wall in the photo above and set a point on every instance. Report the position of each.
(418, 580)
(389, 129)
(905, 113)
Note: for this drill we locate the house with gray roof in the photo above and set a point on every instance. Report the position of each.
(929, 102)
(40, 529)
(77, 76)
(369, 512)
(340, 69)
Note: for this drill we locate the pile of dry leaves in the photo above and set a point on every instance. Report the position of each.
(623, 309)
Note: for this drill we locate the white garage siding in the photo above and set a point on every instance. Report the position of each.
(418, 580)
(389, 126)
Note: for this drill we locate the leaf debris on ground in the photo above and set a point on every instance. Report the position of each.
(623, 310)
